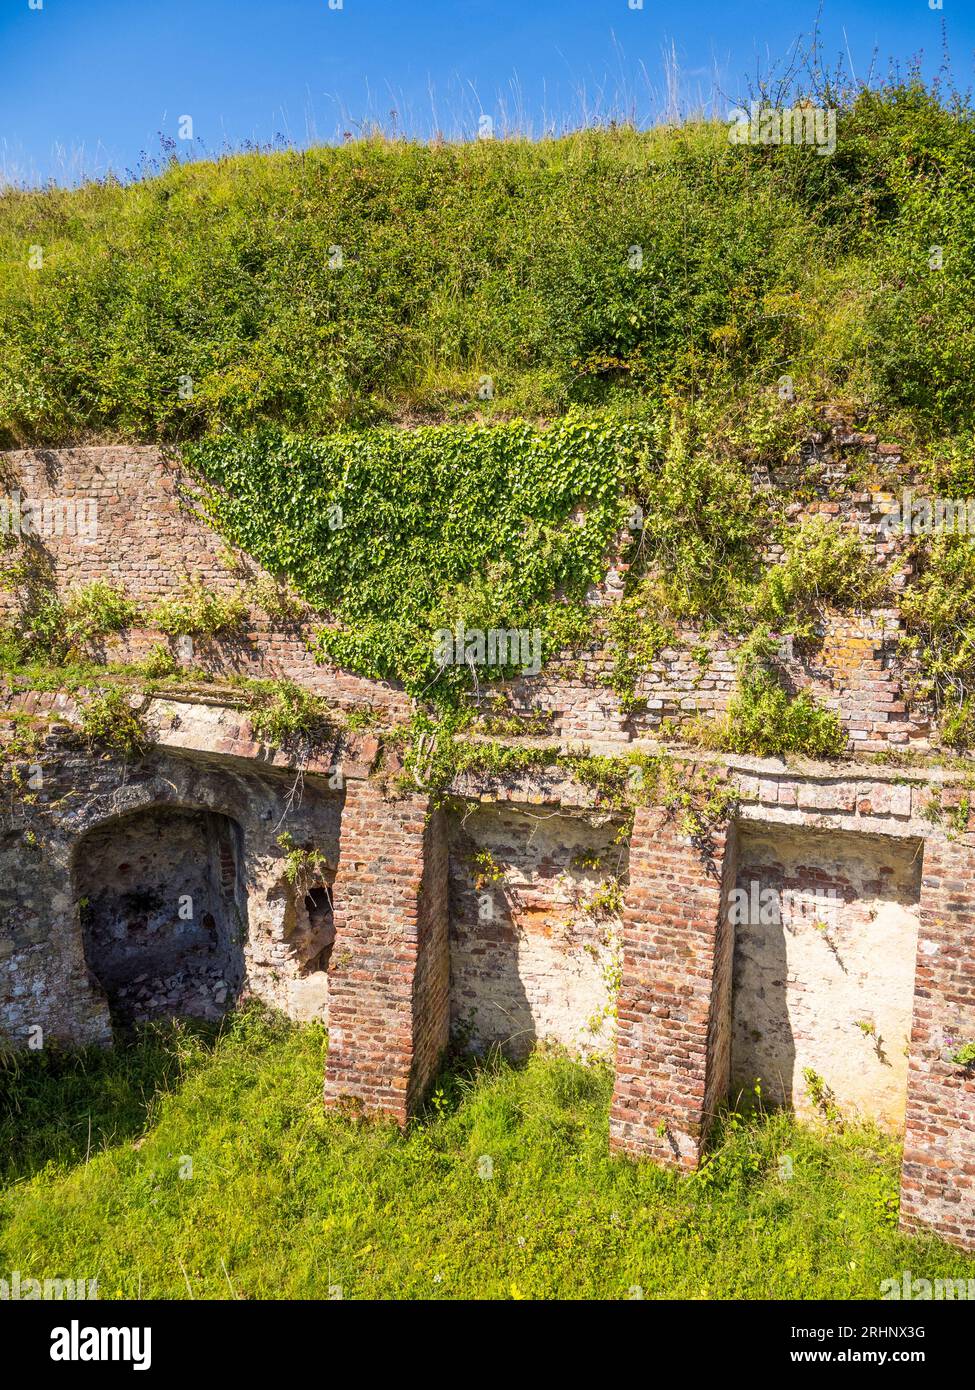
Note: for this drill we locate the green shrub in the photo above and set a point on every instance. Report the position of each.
(96, 609)
(282, 713)
(41, 627)
(701, 523)
(938, 610)
(108, 721)
(198, 612)
(958, 724)
(764, 720)
(276, 600)
(159, 663)
(752, 262)
(823, 566)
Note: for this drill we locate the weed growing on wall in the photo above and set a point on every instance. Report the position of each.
(198, 612)
(284, 714)
(96, 609)
(765, 719)
(823, 566)
(109, 722)
(939, 615)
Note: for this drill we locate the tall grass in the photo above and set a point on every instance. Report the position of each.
(393, 280)
(504, 1189)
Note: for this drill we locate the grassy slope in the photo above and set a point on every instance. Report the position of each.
(504, 259)
(285, 1200)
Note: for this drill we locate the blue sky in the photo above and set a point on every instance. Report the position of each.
(88, 84)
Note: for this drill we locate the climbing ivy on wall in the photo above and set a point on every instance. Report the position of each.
(396, 535)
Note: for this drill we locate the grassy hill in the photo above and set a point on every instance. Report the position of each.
(388, 281)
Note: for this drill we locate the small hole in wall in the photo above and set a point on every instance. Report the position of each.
(318, 901)
(317, 905)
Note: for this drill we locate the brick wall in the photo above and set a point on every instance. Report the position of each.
(151, 538)
(389, 954)
(938, 1177)
(431, 981)
(148, 535)
(671, 1049)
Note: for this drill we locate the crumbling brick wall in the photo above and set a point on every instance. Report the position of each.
(390, 953)
(938, 1177)
(151, 538)
(669, 1051)
(139, 525)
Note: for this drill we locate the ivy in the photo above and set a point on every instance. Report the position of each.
(399, 535)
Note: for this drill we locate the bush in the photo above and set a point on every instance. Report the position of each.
(764, 720)
(938, 610)
(197, 612)
(160, 663)
(282, 713)
(108, 721)
(275, 599)
(96, 609)
(823, 566)
(751, 262)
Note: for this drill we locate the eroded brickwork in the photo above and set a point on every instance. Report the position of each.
(151, 537)
(137, 522)
(938, 1177)
(674, 960)
(391, 952)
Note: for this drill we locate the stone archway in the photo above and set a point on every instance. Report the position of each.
(162, 912)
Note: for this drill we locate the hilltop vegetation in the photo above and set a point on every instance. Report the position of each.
(387, 280)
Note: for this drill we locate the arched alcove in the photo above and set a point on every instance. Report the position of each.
(162, 914)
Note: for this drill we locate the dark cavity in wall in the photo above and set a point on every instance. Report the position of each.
(162, 913)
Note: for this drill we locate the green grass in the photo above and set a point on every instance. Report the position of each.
(286, 1199)
(210, 297)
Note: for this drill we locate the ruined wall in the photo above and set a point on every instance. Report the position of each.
(501, 916)
(151, 538)
(825, 942)
(534, 928)
(857, 668)
(162, 921)
(48, 862)
(131, 515)
(938, 1177)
